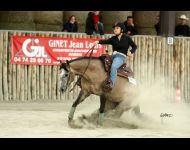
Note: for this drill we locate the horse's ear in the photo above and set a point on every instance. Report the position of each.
(67, 62)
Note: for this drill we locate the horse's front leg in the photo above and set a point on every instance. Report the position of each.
(81, 97)
(101, 110)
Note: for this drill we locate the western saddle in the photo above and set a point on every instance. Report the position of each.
(123, 71)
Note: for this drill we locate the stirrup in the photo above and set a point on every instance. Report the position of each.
(108, 85)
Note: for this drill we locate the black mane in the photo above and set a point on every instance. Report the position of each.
(63, 66)
(80, 58)
(66, 64)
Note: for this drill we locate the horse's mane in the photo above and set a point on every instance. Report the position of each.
(81, 58)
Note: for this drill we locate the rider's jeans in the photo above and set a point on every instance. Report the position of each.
(118, 60)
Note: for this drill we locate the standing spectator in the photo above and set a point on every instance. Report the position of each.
(182, 29)
(94, 23)
(71, 25)
(130, 28)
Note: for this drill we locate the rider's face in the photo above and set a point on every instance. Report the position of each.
(117, 30)
(183, 21)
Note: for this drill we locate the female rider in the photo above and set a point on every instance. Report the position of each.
(120, 43)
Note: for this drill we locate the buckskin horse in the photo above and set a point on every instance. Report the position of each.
(92, 72)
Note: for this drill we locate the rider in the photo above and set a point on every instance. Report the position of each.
(120, 43)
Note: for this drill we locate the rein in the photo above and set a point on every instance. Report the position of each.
(90, 56)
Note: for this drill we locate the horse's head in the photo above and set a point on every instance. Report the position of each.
(66, 76)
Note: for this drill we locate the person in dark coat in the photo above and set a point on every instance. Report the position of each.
(182, 29)
(157, 25)
(71, 25)
(94, 24)
(130, 28)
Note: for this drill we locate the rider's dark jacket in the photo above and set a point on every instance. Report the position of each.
(121, 45)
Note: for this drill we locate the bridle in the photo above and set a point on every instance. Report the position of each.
(68, 78)
(78, 80)
(90, 57)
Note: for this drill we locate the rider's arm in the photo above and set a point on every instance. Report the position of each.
(108, 41)
(133, 45)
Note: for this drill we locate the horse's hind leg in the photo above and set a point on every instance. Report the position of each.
(136, 110)
(81, 97)
(120, 109)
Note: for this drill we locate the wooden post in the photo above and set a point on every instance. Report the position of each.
(14, 78)
(1, 66)
(182, 68)
(185, 70)
(54, 82)
(41, 68)
(162, 57)
(157, 58)
(146, 60)
(153, 58)
(34, 82)
(166, 68)
(176, 47)
(178, 63)
(5, 83)
(188, 70)
(142, 60)
(29, 82)
(38, 82)
(9, 73)
(150, 62)
(171, 49)
(139, 60)
(18, 74)
(22, 80)
(135, 58)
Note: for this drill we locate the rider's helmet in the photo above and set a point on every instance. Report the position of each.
(121, 25)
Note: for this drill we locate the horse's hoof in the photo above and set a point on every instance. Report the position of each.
(72, 124)
(84, 116)
(99, 126)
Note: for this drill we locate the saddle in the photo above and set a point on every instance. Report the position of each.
(123, 71)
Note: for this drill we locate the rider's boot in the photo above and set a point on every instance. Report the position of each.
(108, 86)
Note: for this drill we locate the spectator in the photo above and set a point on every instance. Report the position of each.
(71, 25)
(94, 23)
(157, 25)
(130, 28)
(182, 29)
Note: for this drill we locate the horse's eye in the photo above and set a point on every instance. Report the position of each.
(66, 75)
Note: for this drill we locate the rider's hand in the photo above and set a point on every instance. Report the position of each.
(129, 54)
(129, 32)
(95, 43)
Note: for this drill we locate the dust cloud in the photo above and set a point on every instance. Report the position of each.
(160, 111)
(162, 116)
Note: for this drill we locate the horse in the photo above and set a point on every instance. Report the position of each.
(92, 76)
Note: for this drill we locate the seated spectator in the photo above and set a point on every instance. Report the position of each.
(182, 29)
(94, 23)
(71, 25)
(130, 28)
(157, 25)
